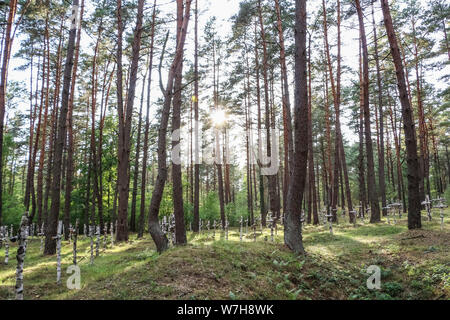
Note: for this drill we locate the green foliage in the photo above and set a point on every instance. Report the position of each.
(393, 289)
(13, 210)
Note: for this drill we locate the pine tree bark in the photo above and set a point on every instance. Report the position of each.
(147, 129)
(381, 155)
(272, 179)
(414, 207)
(312, 177)
(70, 147)
(52, 221)
(371, 184)
(155, 230)
(125, 116)
(287, 117)
(195, 226)
(292, 225)
(177, 186)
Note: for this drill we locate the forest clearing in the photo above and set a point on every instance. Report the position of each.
(224, 150)
(415, 265)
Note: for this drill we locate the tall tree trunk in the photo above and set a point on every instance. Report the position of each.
(45, 75)
(381, 162)
(287, 117)
(154, 227)
(70, 147)
(272, 179)
(293, 225)
(423, 156)
(147, 129)
(177, 186)
(125, 116)
(258, 101)
(196, 223)
(52, 221)
(136, 159)
(414, 218)
(371, 184)
(312, 177)
(361, 166)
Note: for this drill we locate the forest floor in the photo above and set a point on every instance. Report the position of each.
(414, 265)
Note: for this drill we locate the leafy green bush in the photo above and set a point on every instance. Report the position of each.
(392, 288)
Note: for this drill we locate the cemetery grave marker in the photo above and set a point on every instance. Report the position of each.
(75, 238)
(91, 236)
(21, 239)
(330, 222)
(58, 252)
(97, 242)
(427, 204)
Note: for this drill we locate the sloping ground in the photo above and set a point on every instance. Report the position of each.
(414, 265)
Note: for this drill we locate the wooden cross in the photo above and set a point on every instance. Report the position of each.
(240, 229)
(91, 236)
(21, 238)
(427, 204)
(111, 227)
(388, 213)
(330, 222)
(441, 206)
(270, 221)
(4, 238)
(97, 242)
(75, 239)
(58, 252)
(226, 229)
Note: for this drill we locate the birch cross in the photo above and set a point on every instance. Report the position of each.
(21, 251)
(4, 238)
(91, 236)
(270, 221)
(111, 227)
(240, 228)
(398, 206)
(226, 229)
(330, 222)
(388, 211)
(41, 234)
(172, 228)
(97, 242)
(441, 206)
(75, 238)
(427, 204)
(58, 252)
(105, 235)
